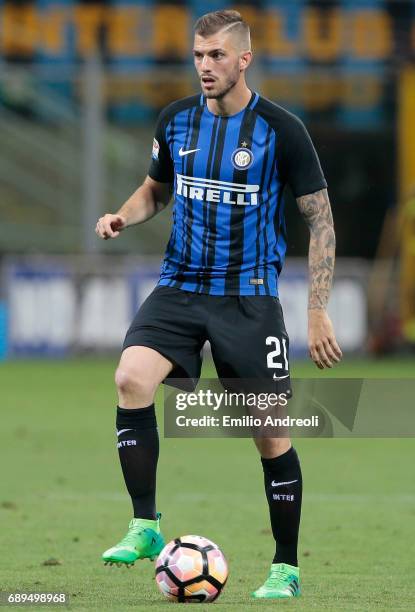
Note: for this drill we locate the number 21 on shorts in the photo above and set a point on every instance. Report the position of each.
(277, 358)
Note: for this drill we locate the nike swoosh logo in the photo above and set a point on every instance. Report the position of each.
(275, 377)
(279, 484)
(181, 152)
(120, 431)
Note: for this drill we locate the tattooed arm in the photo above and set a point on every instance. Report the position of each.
(315, 208)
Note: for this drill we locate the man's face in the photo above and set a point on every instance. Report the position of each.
(217, 62)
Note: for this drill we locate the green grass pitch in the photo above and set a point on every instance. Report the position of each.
(62, 496)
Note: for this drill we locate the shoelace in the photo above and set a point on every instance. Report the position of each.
(276, 575)
(130, 538)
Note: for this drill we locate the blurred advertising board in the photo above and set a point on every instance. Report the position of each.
(65, 305)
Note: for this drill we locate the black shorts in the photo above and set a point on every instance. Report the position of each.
(246, 333)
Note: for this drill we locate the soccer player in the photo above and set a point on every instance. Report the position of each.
(226, 154)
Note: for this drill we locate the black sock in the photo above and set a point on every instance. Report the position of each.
(284, 500)
(138, 449)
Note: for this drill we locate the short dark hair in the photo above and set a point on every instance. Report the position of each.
(214, 22)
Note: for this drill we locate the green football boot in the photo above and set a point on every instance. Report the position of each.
(283, 581)
(143, 541)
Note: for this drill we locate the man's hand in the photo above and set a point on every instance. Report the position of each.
(110, 226)
(322, 344)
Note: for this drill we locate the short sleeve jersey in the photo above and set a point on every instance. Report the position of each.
(228, 235)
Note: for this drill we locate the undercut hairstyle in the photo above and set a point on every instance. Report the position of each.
(225, 21)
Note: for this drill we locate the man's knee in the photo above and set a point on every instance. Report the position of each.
(272, 447)
(134, 381)
(139, 373)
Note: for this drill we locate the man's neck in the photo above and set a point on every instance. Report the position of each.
(231, 104)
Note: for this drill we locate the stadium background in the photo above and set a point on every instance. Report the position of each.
(81, 84)
(80, 88)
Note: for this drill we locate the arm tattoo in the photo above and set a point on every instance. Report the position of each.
(315, 208)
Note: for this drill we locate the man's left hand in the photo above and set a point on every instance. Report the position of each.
(322, 343)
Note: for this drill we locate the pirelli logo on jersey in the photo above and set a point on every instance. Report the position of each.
(209, 190)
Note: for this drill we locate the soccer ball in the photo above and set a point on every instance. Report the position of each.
(191, 569)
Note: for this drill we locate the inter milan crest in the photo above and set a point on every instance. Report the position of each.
(242, 158)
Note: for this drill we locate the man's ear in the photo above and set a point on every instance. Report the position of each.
(245, 60)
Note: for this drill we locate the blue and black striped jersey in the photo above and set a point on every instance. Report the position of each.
(228, 235)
